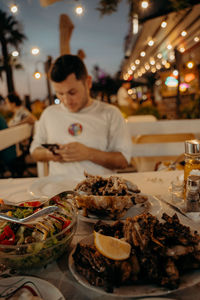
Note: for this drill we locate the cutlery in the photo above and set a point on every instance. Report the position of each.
(173, 207)
(32, 218)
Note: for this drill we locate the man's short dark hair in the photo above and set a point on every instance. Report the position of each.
(14, 98)
(66, 65)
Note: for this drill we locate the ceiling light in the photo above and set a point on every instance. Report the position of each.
(142, 54)
(137, 61)
(196, 39)
(163, 24)
(159, 55)
(151, 43)
(184, 33)
(144, 4)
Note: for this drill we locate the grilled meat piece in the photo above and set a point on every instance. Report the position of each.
(161, 251)
(113, 185)
(107, 197)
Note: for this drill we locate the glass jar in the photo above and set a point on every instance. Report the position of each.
(192, 160)
(192, 193)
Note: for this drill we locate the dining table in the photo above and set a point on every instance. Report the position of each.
(58, 273)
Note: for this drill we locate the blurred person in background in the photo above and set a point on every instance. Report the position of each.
(124, 100)
(21, 114)
(91, 135)
(10, 164)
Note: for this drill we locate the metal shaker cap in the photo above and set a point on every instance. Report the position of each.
(193, 181)
(192, 147)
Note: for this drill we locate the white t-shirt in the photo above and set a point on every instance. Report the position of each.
(122, 94)
(99, 126)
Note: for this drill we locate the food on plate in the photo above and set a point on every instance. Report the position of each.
(25, 292)
(110, 197)
(161, 251)
(112, 247)
(35, 245)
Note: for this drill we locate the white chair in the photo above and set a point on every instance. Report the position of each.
(160, 140)
(141, 118)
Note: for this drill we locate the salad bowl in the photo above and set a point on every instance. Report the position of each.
(35, 245)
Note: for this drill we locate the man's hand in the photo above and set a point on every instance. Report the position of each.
(51, 156)
(73, 152)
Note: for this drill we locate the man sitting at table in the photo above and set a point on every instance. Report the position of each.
(91, 135)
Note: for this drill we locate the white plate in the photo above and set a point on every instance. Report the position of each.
(46, 290)
(52, 185)
(154, 207)
(145, 290)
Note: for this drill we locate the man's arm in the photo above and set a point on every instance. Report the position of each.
(73, 152)
(42, 154)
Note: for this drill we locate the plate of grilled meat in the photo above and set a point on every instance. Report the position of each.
(111, 199)
(163, 257)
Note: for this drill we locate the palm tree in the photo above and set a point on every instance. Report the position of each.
(10, 35)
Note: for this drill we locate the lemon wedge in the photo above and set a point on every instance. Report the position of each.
(111, 247)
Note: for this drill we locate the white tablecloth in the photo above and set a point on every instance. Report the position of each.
(153, 183)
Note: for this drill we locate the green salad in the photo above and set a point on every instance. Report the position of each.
(25, 246)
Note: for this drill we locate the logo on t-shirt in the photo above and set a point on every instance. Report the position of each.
(75, 129)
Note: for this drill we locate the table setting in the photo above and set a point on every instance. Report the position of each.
(60, 271)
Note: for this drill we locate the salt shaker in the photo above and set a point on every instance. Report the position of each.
(192, 160)
(192, 193)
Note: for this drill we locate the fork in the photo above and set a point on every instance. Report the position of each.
(32, 218)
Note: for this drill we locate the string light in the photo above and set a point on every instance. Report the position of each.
(133, 67)
(184, 33)
(196, 39)
(144, 4)
(190, 64)
(37, 75)
(15, 53)
(137, 62)
(169, 47)
(79, 10)
(35, 51)
(182, 49)
(164, 24)
(135, 24)
(143, 54)
(159, 55)
(14, 8)
(151, 43)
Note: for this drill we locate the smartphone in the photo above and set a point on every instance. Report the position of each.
(51, 147)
